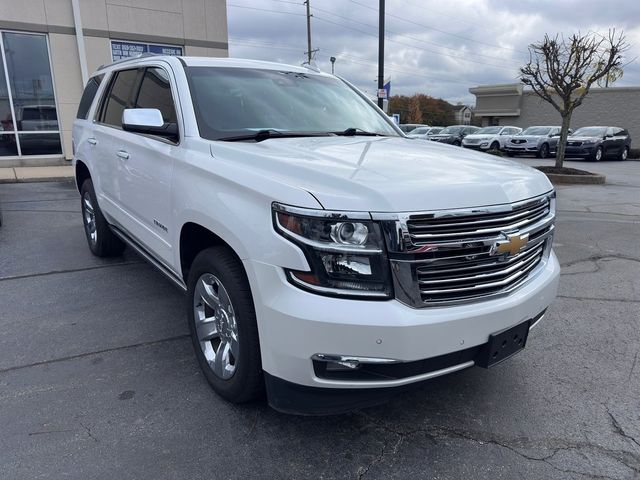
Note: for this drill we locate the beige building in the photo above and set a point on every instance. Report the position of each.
(50, 47)
(511, 104)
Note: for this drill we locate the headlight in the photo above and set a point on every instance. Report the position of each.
(589, 142)
(345, 252)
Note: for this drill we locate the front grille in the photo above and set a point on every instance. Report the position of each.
(574, 144)
(518, 140)
(427, 227)
(455, 256)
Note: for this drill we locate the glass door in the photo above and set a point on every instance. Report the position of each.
(28, 113)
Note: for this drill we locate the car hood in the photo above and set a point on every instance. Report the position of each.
(386, 174)
(529, 137)
(479, 137)
(445, 135)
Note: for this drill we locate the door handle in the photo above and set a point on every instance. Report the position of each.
(92, 140)
(122, 154)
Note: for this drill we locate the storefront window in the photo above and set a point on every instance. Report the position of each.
(28, 106)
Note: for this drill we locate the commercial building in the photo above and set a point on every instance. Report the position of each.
(49, 47)
(511, 104)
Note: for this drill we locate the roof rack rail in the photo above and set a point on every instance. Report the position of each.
(128, 59)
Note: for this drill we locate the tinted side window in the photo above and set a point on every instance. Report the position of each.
(120, 97)
(88, 95)
(155, 92)
(619, 131)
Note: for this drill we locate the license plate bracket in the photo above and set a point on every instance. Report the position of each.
(503, 345)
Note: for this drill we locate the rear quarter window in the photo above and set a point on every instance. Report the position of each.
(88, 96)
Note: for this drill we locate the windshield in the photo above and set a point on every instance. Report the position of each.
(536, 131)
(232, 102)
(590, 132)
(488, 131)
(435, 130)
(419, 131)
(451, 130)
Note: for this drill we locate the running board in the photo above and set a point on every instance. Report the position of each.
(140, 250)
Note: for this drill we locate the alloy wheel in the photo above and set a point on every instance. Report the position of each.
(89, 216)
(216, 326)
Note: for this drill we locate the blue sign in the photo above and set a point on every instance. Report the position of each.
(122, 50)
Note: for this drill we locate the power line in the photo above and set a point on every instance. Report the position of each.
(437, 29)
(265, 9)
(464, 59)
(405, 36)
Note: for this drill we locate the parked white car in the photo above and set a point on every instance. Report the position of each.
(490, 138)
(424, 132)
(324, 257)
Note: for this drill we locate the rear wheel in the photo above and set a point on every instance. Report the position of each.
(101, 240)
(624, 154)
(457, 143)
(223, 326)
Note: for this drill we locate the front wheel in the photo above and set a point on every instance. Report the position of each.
(597, 155)
(543, 152)
(457, 143)
(223, 327)
(494, 146)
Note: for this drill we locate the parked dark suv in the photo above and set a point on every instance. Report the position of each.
(454, 134)
(596, 143)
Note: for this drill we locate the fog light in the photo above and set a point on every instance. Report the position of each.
(346, 264)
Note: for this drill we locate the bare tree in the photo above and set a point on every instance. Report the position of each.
(561, 71)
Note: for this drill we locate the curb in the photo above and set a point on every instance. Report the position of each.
(35, 180)
(594, 179)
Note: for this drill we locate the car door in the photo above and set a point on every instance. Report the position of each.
(609, 143)
(147, 163)
(107, 140)
(554, 136)
(618, 140)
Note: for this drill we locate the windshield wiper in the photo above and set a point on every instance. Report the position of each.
(352, 132)
(261, 135)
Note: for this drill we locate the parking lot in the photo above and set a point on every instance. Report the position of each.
(98, 378)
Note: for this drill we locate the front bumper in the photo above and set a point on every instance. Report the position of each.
(294, 325)
(523, 148)
(449, 140)
(581, 151)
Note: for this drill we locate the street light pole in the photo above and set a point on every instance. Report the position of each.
(333, 63)
(381, 53)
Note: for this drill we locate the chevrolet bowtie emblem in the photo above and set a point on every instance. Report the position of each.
(512, 245)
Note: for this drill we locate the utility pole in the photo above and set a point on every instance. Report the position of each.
(309, 51)
(380, 52)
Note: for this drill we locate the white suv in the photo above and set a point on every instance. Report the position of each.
(490, 138)
(324, 255)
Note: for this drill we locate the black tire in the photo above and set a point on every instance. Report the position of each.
(510, 154)
(494, 146)
(624, 154)
(543, 151)
(457, 143)
(597, 155)
(247, 380)
(102, 242)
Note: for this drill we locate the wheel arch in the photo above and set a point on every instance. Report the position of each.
(82, 173)
(195, 238)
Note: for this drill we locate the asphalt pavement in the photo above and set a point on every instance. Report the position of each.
(98, 378)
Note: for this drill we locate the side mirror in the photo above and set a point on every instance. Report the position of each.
(148, 121)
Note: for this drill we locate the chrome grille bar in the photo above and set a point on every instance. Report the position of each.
(447, 257)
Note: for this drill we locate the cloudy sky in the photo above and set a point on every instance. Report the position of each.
(433, 47)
